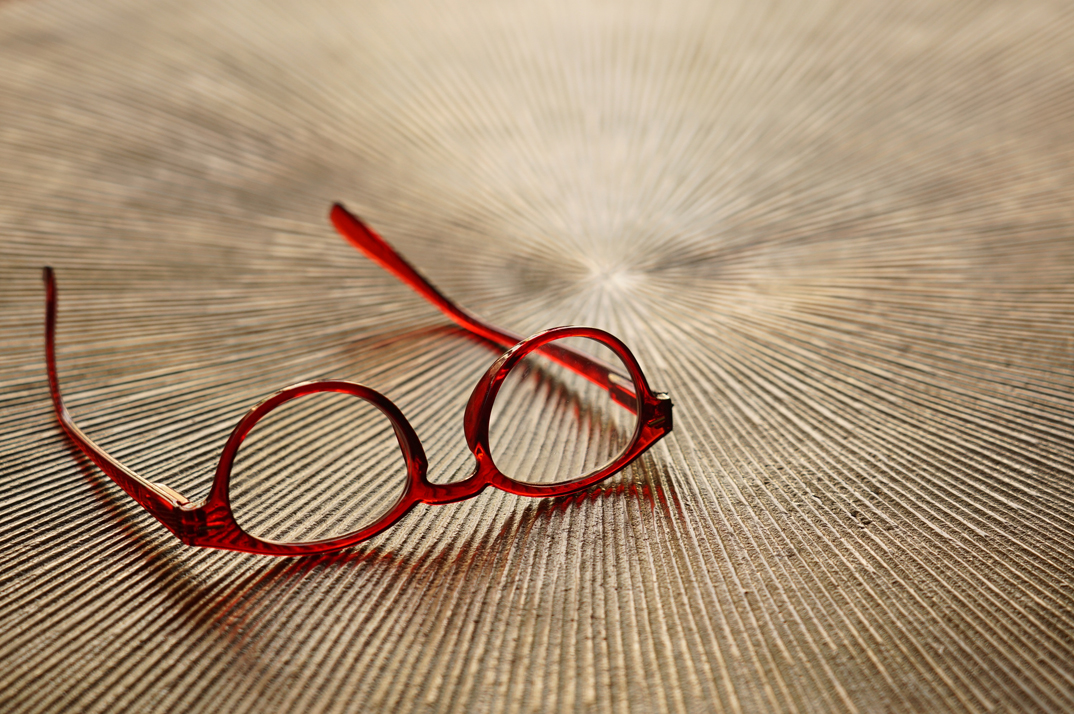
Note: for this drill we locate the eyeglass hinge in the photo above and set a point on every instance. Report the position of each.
(173, 494)
(191, 522)
(662, 419)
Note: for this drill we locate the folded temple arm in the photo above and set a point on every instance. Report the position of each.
(377, 249)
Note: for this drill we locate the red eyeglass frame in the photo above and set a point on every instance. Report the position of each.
(211, 523)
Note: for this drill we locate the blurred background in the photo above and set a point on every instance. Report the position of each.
(839, 234)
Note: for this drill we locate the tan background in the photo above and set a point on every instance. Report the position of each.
(841, 234)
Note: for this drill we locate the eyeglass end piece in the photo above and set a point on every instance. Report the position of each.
(663, 419)
(172, 493)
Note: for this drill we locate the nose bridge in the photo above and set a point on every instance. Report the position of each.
(439, 493)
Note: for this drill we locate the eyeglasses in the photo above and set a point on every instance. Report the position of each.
(595, 413)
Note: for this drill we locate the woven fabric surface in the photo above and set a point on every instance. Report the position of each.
(840, 234)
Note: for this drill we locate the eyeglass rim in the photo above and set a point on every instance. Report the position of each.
(479, 409)
(221, 529)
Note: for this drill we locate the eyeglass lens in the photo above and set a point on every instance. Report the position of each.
(320, 466)
(550, 425)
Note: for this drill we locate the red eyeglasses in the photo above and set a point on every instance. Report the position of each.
(575, 395)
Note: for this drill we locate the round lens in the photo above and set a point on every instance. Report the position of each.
(552, 423)
(319, 466)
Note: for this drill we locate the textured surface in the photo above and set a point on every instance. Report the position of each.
(841, 234)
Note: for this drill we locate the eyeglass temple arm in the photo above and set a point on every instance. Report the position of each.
(367, 240)
(158, 499)
(377, 249)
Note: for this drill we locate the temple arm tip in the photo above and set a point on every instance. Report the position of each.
(357, 232)
(345, 221)
(338, 211)
(49, 279)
